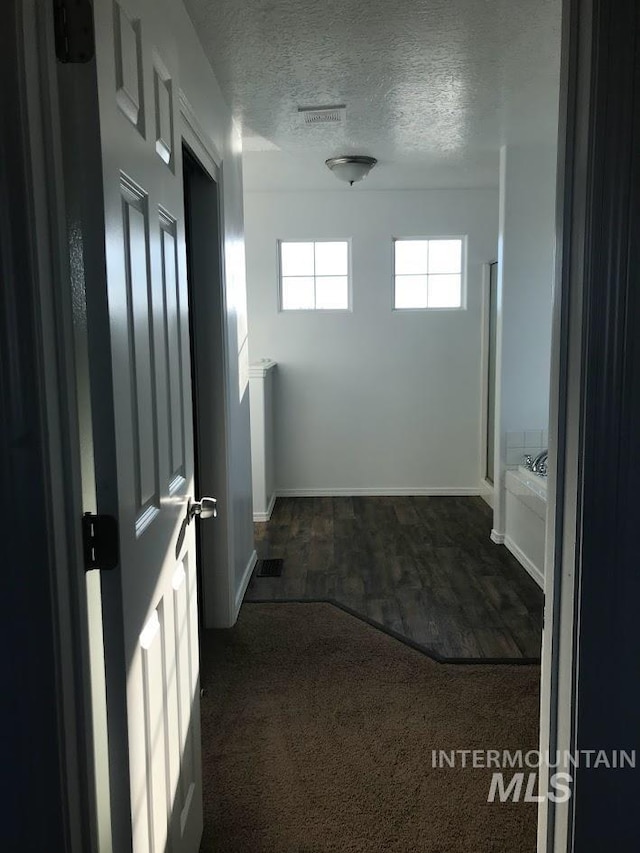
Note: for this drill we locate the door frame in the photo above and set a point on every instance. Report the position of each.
(37, 264)
(219, 590)
(488, 489)
(557, 693)
(592, 647)
(36, 110)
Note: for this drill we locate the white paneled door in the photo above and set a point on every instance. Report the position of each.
(137, 68)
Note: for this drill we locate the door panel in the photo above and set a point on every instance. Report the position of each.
(150, 355)
(173, 348)
(128, 65)
(135, 230)
(163, 92)
(186, 655)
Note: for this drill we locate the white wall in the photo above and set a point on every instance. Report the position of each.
(525, 295)
(373, 399)
(223, 593)
(528, 168)
(527, 235)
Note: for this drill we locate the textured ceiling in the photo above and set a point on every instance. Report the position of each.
(427, 83)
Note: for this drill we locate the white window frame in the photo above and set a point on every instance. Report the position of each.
(463, 273)
(315, 310)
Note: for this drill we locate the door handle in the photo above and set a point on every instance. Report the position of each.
(204, 508)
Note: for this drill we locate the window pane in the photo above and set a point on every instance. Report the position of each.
(332, 292)
(296, 259)
(411, 291)
(332, 258)
(445, 291)
(411, 257)
(297, 293)
(445, 256)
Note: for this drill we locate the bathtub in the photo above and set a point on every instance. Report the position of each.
(525, 520)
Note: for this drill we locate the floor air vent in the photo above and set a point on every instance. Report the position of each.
(270, 568)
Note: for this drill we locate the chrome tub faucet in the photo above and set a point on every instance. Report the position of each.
(537, 465)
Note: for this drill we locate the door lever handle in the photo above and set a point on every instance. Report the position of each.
(204, 508)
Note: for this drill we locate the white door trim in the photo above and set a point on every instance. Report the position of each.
(498, 530)
(558, 689)
(487, 489)
(197, 138)
(484, 371)
(193, 134)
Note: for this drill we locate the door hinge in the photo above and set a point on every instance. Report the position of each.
(100, 540)
(73, 25)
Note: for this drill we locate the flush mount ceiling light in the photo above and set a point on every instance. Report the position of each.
(351, 169)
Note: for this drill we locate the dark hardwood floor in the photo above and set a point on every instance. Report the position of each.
(423, 568)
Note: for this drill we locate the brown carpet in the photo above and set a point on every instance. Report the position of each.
(317, 733)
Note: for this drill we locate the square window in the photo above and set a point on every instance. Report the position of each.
(412, 257)
(444, 291)
(296, 259)
(314, 275)
(332, 258)
(332, 293)
(411, 291)
(428, 273)
(297, 293)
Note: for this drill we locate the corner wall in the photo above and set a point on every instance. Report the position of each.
(373, 400)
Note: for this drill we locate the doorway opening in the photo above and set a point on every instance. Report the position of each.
(492, 326)
(206, 311)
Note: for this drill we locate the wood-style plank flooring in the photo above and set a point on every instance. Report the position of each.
(423, 568)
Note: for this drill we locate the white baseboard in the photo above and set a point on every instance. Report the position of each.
(487, 492)
(524, 561)
(266, 516)
(409, 491)
(496, 537)
(244, 583)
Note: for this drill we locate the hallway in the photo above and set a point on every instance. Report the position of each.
(423, 568)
